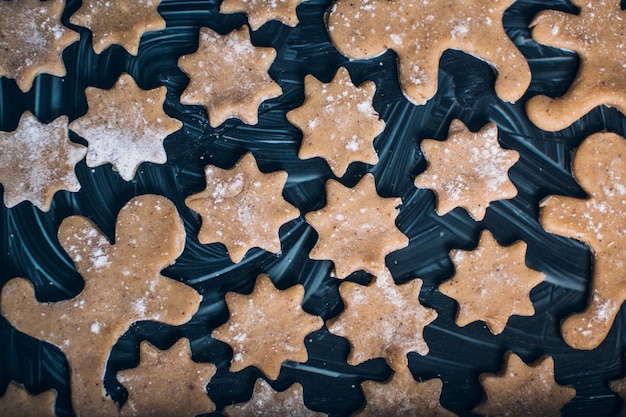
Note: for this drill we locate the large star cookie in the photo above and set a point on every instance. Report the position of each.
(125, 126)
(267, 327)
(123, 285)
(596, 34)
(468, 169)
(356, 228)
(262, 11)
(17, 402)
(419, 33)
(37, 160)
(599, 167)
(228, 75)
(338, 121)
(242, 208)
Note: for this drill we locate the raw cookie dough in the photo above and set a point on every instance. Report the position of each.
(356, 228)
(491, 283)
(619, 387)
(17, 402)
(267, 327)
(123, 285)
(468, 169)
(596, 34)
(338, 122)
(37, 160)
(229, 76)
(167, 383)
(32, 39)
(242, 208)
(262, 11)
(599, 167)
(125, 126)
(419, 33)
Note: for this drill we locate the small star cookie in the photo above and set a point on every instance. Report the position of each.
(419, 33)
(242, 208)
(338, 122)
(267, 327)
(125, 126)
(228, 75)
(468, 169)
(618, 386)
(599, 166)
(17, 402)
(262, 11)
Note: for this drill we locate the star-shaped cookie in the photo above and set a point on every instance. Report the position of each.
(338, 122)
(262, 11)
(17, 402)
(618, 386)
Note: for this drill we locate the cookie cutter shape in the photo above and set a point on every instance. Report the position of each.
(262, 11)
(16, 401)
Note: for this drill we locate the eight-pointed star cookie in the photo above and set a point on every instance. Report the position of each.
(229, 76)
(262, 11)
(123, 285)
(17, 402)
(599, 167)
(118, 22)
(491, 283)
(37, 160)
(356, 228)
(32, 39)
(468, 169)
(178, 389)
(419, 33)
(242, 208)
(596, 34)
(382, 320)
(338, 121)
(267, 327)
(125, 126)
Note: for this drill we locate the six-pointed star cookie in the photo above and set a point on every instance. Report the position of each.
(17, 402)
(468, 169)
(262, 11)
(32, 39)
(356, 228)
(419, 33)
(242, 208)
(125, 126)
(267, 327)
(596, 34)
(37, 160)
(228, 75)
(338, 121)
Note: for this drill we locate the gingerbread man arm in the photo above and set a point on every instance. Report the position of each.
(88, 248)
(548, 28)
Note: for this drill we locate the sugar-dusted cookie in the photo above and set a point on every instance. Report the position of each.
(37, 160)
(123, 285)
(242, 208)
(338, 121)
(523, 390)
(356, 228)
(262, 11)
(118, 22)
(266, 402)
(468, 169)
(419, 33)
(32, 39)
(17, 402)
(267, 327)
(176, 389)
(382, 320)
(596, 34)
(229, 76)
(599, 167)
(491, 283)
(125, 126)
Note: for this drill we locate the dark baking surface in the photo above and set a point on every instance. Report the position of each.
(29, 248)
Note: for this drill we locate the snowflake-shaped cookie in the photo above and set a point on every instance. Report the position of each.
(419, 33)
(125, 126)
(599, 167)
(242, 208)
(267, 327)
(491, 283)
(356, 228)
(37, 160)
(338, 121)
(229, 76)
(262, 11)
(17, 402)
(468, 169)
(178, 389)
(123, 285)
(596, 34)
(118, 22)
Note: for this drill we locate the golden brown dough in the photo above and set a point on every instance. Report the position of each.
(17, 402)
(262, 11)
